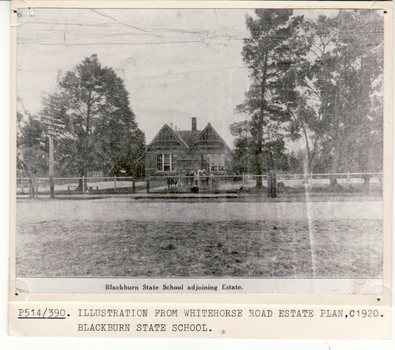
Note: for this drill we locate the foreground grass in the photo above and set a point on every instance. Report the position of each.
(265, 249)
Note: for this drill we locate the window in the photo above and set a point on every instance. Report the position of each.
(159, 162)
(164, 162)
(217, 162)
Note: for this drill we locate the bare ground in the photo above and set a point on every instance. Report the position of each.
(260, 249)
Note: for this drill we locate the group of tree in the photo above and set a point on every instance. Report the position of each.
(91, 122)
(315, 83)
(32, 150)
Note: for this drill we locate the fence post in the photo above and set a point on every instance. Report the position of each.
(36, 184)
(179, 181)
(243, 178)
(22, 185)
(134, 183)
(348, 180)
(311, 179)
(83, 184)
(51, 168)
(147, 184)
(115, 183)
(272, 185)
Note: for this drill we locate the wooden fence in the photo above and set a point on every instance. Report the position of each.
(69, 185)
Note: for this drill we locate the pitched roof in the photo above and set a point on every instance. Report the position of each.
(172, 132)
(209, 126)
(189, 136)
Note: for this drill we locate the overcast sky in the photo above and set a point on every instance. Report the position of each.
(176, 64)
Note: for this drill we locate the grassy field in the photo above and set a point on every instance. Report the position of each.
(262, 249)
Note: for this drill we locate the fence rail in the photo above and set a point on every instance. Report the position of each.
(125, 184)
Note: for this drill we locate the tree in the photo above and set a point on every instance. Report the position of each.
(32, 155)
(119, 146)
(96, 127)
(339, 84)
(244, 157)
(32, 148)
(269, 56)
(359, 59)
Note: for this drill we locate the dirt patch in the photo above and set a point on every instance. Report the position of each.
(264, 249)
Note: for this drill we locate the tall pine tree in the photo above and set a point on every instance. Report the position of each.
(98, 130)
(343, 78)
(268, 56)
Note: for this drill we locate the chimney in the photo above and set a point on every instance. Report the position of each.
(194, 124)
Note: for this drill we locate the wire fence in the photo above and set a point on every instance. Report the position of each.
(181, 183)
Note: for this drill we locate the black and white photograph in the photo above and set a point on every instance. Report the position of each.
(199, 150)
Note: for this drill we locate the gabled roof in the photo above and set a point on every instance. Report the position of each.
(172, 132)
(209, 126)
(189, 136)
(186, 138)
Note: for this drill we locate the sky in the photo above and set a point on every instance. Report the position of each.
(176, 64)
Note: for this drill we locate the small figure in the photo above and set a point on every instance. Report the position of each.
(196, 177)
(211, 181)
